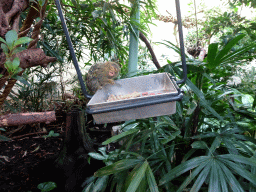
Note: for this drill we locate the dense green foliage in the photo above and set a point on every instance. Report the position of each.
(207, 145)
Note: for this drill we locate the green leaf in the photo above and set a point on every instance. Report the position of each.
(3, 138)
(21, 79)
(212, 51)
(89, 187)
(96, 156)
(234, 55)
(240, 170)
(100, 184)
(41, 2)
(214, 184)
(11, 36)
(151, 180)
(16, 63)
(238, 159)
(5, 48)
(201, 178)
(117, 167)
(230, 178)
(227, 48)
(119, 136)
(138, 177)
(254, 101)
(192, 107)
(22, 40)
(199, 145)
(48, 48)
(216, 143)
(2, 40)
(18, 49)
(182, 168)
(222, 176)
(47, 186)
(191, 177)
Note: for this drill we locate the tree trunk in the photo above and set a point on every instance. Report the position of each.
(10, 11)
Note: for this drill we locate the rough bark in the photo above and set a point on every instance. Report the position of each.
(10, 11)
(27, 118)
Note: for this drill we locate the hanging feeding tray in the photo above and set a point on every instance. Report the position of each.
(135, 98)
(132, 98)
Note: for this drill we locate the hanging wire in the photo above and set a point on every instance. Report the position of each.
(183, 58)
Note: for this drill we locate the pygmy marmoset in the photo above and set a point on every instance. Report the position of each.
(101, 74)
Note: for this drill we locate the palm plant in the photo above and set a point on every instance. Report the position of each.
(203, 147)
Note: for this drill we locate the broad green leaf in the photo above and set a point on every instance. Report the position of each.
(171, 137)
(214, 184)
(21, 79)
(169, 122)
(191, 177)
(88, 188)
(200, 95)
(117, 167)
(244, 138)
(22, 40)
(151, 180)
(230, 146)
(192, 107)
(2, 40)
(215, 144)
(201, 178)
(3, 138)
(11, 36)
(230, 178)
(130, 175)
(47, 186)
(182, 168)
(238, 159)
(254, 102)
(138, 177)
(100, 184)
(41, 2)
(212, 51)
(48, 48)
(119, 136)
(18, 49)
(199, 145)
(96, 14)
(96, 156)
(206, 135)
(253, 171)
(222, 176)
(237, 55)
(5, 48)
(240, 170)
(228, 47)
(188, 155)
(16, 62)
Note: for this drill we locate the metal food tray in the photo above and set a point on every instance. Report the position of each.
(162, 103)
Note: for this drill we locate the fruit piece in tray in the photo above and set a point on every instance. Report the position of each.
(122, 97)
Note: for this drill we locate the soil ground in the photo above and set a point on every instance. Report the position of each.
(28, 159)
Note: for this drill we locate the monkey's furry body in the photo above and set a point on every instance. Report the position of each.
(101, 74)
